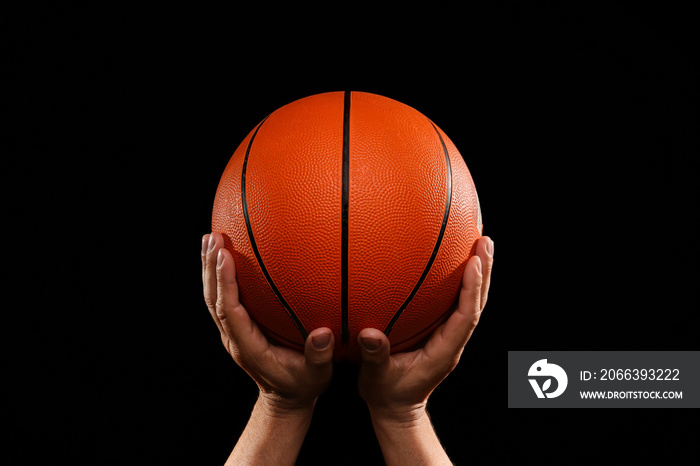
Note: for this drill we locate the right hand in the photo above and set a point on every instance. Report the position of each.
(396, 387)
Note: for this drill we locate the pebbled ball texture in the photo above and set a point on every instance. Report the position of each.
(391, 259)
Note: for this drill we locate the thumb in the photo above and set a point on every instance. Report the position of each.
(318, 349)
(374, 349)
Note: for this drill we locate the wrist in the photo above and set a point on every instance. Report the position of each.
(276, 407)
(274, 433)
(407, 437)
(400, 417)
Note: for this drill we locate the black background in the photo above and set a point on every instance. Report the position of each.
(578, 121)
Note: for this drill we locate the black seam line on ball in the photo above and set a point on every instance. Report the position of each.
(344, 266)
(275, 290)
(445, 217)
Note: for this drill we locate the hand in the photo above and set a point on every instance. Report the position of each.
(288, 380)
(396, 388)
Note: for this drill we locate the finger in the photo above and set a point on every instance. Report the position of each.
(318, 351)
(210, 248)
(205, 244)
(449, 339)
(374, 351)
(214, 242)
(484, 249)
(235, 322)
(225, 275)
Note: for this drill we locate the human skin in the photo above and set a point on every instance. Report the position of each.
(395, 387)
(289, 381)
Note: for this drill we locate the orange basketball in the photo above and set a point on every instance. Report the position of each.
(348, 210)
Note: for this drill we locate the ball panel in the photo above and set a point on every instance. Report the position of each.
(293, 191)
(398, 193)
(227, 218)
(469, 199)
(440, 288)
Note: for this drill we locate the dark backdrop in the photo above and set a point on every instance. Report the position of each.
(578, 121)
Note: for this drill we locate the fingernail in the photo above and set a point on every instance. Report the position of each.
(205, 242)
(220, 259)
(371, 344)
(489, 248)
(478, 264)
(212, 242)
(321, 341)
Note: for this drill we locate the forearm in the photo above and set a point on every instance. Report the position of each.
(409, 443)
(272, 436)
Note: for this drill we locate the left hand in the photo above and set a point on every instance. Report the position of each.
(288, 380)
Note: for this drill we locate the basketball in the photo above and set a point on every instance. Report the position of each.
(348, 210)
